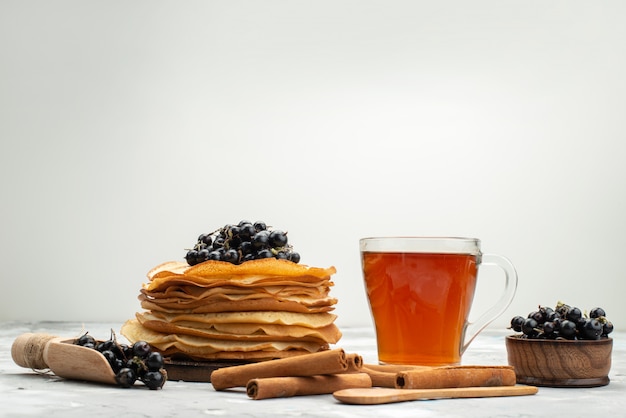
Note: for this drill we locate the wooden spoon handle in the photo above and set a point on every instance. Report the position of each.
(374, 396)
(27, 350)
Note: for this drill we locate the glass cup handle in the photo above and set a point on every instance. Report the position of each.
(510, 286)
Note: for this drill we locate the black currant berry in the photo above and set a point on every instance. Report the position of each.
(105, 345)
(109, 355)
(192, 257)
(517, 322)
(281, 255)
(592, 329)
(154, 361)
(552, 316)
(203, 255)
(86, 339)
(562, 309)
(568, 330)
(141, 349)
(574, 314)
(247, 231)
(548, 328)
(294, 257)
(153, 380)
(120, 350)
(215, 255)
(135, 364)
(278, 238)
(232, 231)
(596, 313)
(248, 257)
(126, 377)
(206, 239)
(537, 316)
(231, 256)
(245, 247)
(261, 240)
(265, 253)
(529, 327)
(218, 243)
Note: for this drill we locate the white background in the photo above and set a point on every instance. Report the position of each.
(130, 127)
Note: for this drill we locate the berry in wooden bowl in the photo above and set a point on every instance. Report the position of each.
(561, 347)
(560, 363)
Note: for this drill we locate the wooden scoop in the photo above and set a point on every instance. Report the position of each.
(374, 396)
(62, 357)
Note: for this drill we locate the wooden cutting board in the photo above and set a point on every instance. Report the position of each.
(375, 396)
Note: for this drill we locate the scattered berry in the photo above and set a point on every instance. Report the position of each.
(126, 377)
(154, 380)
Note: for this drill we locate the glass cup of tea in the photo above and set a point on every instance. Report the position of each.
(420, 292)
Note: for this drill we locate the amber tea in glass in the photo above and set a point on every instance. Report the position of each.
(420, 291)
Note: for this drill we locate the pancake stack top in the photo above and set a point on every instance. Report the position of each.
(257, 310)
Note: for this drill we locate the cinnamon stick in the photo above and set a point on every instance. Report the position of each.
(456, 377)
(384, 375)
(394, 368)
(323, 362)
(381, 379)
(355, 363)
(282, 387)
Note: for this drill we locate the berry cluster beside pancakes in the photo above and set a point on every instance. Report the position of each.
(256, 303)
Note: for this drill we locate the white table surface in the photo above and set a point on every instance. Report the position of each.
(24, 393)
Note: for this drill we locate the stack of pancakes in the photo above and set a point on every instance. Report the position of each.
(257, 310)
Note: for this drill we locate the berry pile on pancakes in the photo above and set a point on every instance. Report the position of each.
(251, 309)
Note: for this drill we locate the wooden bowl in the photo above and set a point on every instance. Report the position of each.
(560, 363)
